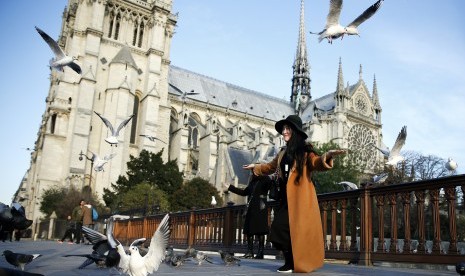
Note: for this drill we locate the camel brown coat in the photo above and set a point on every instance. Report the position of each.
(304, 213)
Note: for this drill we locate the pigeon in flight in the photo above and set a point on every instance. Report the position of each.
(100, 162)
(393, 155)
(104, 252)
(229, 258)
(113, 138)
(61, 59)
(334, 30)
(18, 259)
(348, 185)
(142, 266)
(351, 29)
(185, 94)
(152, 138)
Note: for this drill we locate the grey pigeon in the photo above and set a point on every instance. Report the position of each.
(61, 59)
(229, 259)
(113, 138)
(104, 252)
(169, 253)
(178, 260)
(18, 259)
(198, 255)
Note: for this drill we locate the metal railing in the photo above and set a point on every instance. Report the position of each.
(416, 222)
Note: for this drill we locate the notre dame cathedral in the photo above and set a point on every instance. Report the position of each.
(211, 127)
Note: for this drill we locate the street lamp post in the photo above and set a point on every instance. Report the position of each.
(81, 157)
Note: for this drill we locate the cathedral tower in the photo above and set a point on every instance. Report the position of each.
(301, 96)
(123, 50)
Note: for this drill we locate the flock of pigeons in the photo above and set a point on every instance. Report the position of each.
(58, 63)
(107, 252)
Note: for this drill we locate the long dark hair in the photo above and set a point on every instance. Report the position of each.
(295, 151)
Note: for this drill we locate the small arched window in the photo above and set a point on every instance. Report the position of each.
(53, 122)
(117, 25)
(135, 111)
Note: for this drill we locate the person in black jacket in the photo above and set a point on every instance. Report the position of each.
(256, 218)
(70, 231)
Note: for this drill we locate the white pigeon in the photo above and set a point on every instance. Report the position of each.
(348, 185)
(185, 94)
(113, 138)
(151, 138)
(61, 59)
(380, 178)
(142, 266)
(393, 155)
(351, 29)
(332, 29)
(100, 162)
(213, 202)
(451, 165)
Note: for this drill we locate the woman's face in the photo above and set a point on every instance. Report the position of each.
(287, 133)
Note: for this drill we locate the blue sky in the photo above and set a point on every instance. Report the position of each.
(415, 48)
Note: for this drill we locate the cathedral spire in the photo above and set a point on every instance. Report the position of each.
(360, 73)
(374, 97)
(301, 70)
(340, 79)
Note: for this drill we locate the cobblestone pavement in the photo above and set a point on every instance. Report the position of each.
(52, 262)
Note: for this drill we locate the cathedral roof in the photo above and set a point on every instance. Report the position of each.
(227, 95)
(124, 56)
(240, 157)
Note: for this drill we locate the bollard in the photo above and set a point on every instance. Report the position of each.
(51, 225)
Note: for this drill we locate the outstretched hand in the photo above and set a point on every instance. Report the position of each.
(331, 153)
(248, 166)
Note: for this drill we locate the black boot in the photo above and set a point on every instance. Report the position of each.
(288, 266)
(249, 254)
(261, 247)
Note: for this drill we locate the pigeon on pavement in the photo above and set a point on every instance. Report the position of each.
(142, 266)
(113, 138)
(18, 259)
(198, 255)
(104, 252)
(61, 59)
(229, 259)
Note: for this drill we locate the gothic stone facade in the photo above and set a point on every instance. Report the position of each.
(123, 48)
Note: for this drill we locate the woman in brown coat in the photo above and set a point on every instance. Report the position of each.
(296, 228)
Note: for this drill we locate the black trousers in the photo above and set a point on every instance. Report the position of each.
(280, 234)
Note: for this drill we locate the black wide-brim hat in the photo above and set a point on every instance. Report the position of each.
(294, 122)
